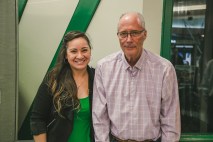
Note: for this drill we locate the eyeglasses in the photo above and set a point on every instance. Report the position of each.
(125, 34)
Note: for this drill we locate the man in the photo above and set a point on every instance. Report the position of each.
(135, 91)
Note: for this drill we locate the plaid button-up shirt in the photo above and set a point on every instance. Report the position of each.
(138, 103)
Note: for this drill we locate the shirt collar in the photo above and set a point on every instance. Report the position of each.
(139, 63)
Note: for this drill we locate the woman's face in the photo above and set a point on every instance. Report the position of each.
(78, 53)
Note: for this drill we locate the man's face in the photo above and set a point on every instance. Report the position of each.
(131, 36)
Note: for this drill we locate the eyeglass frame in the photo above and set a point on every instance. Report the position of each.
(131, 33)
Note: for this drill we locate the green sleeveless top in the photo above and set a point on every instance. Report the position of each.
(82, 123)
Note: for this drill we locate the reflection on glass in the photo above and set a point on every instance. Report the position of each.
(192, 60)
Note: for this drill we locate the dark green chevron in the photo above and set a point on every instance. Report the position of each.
(21, 6)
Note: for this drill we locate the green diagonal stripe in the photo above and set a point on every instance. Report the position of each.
(21, 6)
(80, 20)
(166, 29)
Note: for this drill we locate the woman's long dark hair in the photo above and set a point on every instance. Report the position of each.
(60, 78)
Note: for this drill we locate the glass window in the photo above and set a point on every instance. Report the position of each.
(192, 56)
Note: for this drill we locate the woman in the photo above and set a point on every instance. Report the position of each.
(62, 107)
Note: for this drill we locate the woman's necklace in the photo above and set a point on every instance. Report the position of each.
(81, 82)
(82, 86)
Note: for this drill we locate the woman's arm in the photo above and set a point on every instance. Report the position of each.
(41, 110)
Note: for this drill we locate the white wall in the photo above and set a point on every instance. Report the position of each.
(152, 11)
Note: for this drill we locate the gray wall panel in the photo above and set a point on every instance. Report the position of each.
(8, 70)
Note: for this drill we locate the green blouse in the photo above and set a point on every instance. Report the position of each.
(82, 123)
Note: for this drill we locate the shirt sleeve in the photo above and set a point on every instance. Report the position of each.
(41, 110)
(101, 122)
(170, 107)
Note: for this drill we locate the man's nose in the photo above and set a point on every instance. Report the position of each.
(129, 37)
